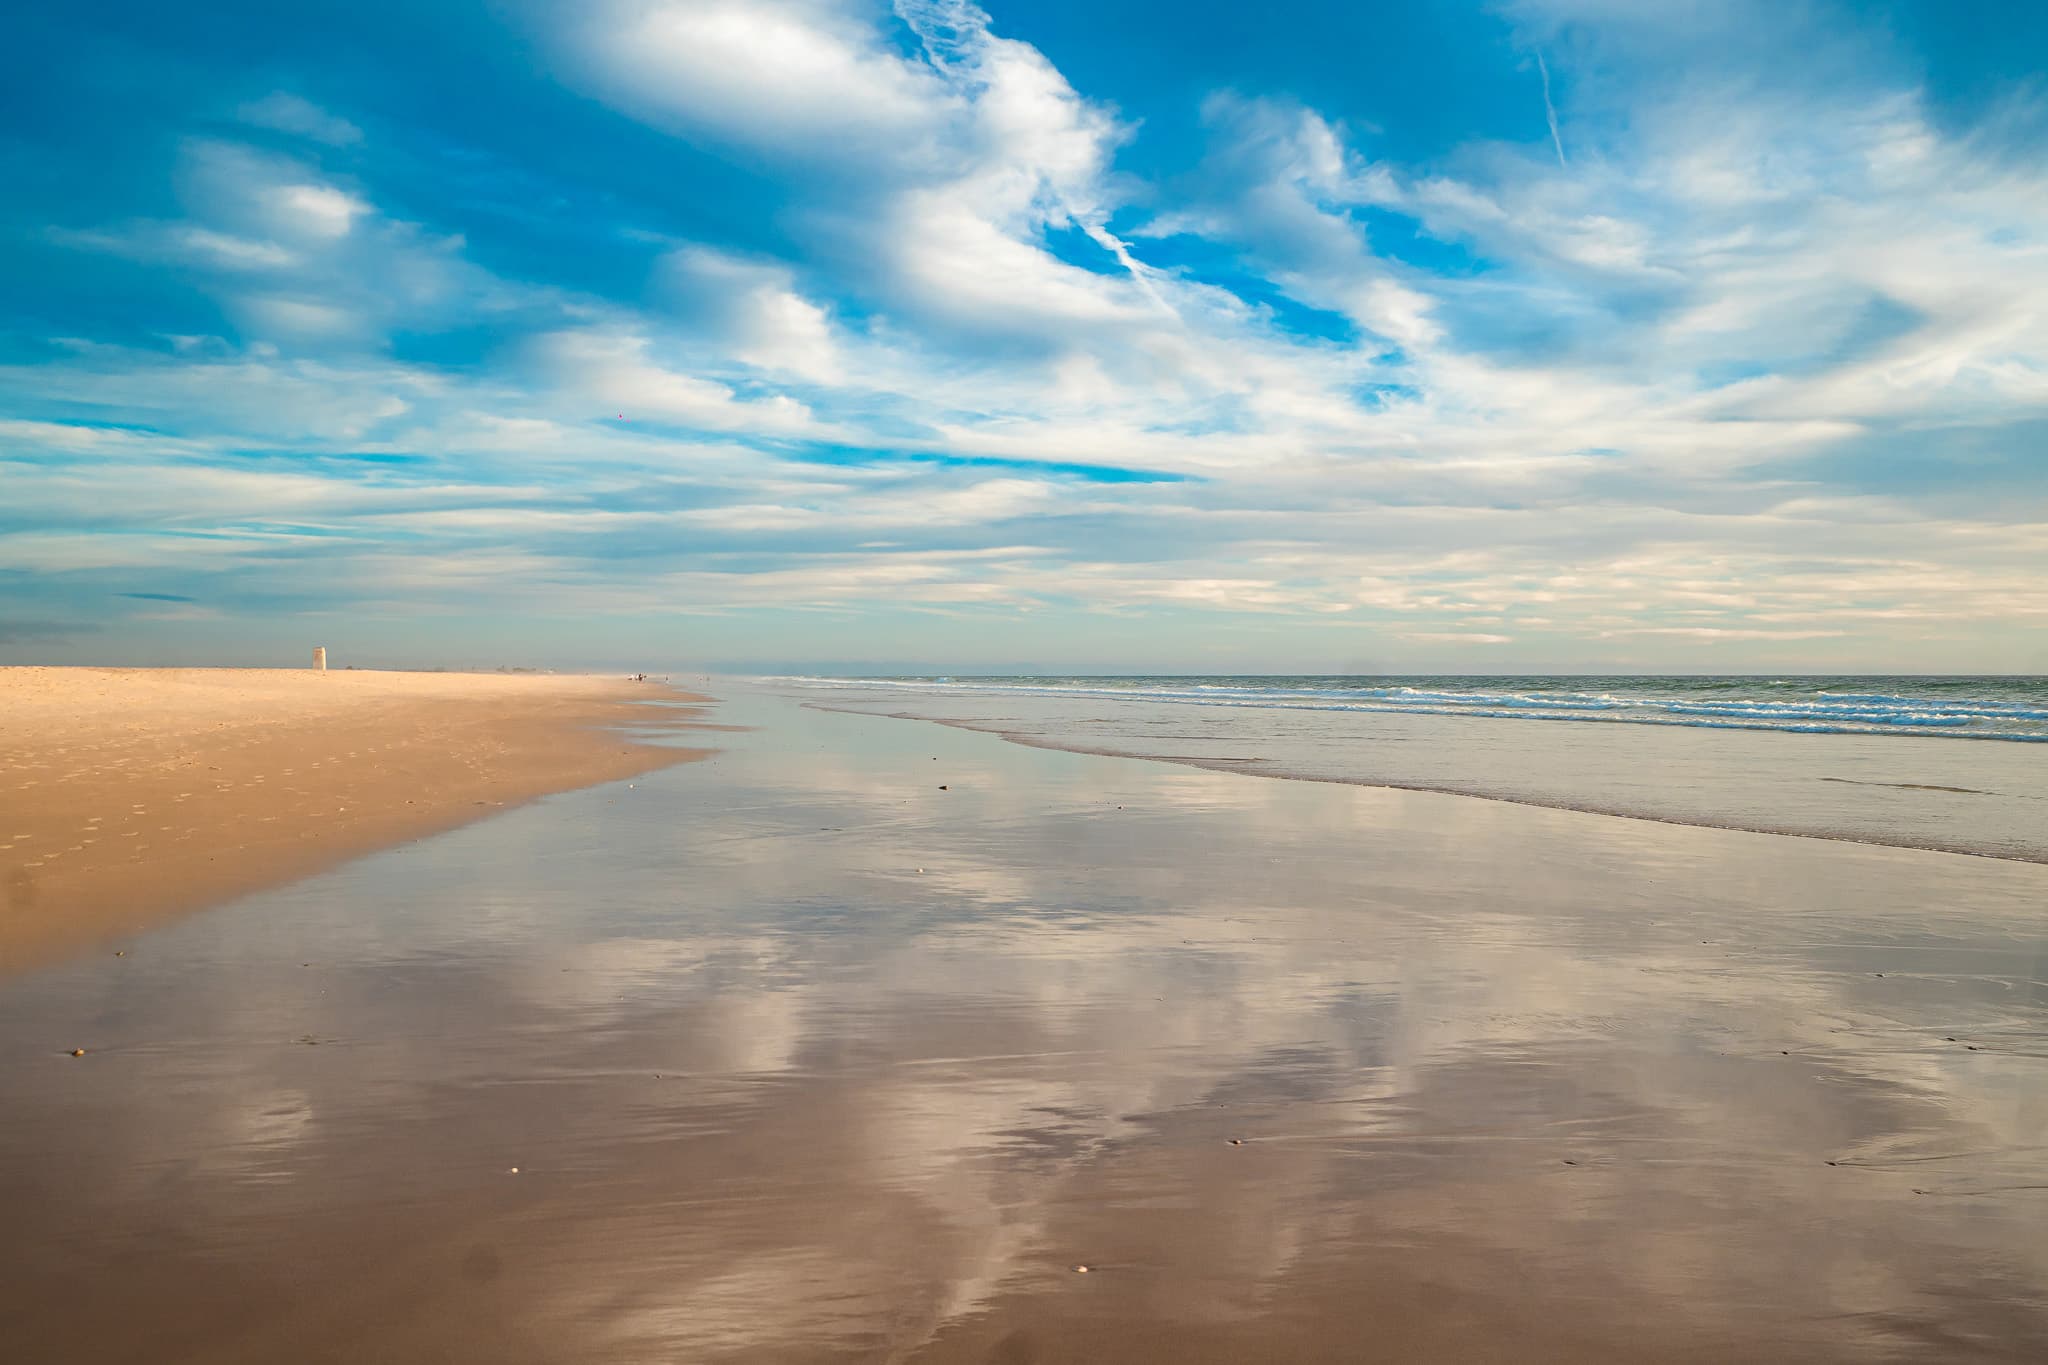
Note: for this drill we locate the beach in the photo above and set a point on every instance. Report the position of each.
(1958, 765)
(869, 1039)
(129, 795)
(1362, 684)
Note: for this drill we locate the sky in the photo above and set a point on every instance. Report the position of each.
(1073, 335)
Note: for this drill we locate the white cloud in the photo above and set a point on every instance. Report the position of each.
(312, 210)
(794, 78)
(753, 309)
(1454, 637)
(617, 370)
(1652, 397)
(180, 244)
(234, 253)
(333, 270)
(301, 319)
(285, 112)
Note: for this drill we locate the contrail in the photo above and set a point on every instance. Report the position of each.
(1550, 110)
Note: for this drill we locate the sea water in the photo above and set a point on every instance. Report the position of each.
(1950, 763)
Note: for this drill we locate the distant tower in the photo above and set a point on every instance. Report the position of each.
(320, 658)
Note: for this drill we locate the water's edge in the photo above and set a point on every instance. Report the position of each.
(2012, 709)
(1247, 768)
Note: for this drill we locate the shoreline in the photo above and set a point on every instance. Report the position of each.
(130, 796)
(1253, 768)
(866, 1033)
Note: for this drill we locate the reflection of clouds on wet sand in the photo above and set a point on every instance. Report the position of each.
(1284, 1060)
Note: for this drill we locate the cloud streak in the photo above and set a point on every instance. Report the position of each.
(1550, 112)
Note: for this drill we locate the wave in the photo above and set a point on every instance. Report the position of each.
(1935, 710)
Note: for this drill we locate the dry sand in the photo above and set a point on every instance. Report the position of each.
(128, 795)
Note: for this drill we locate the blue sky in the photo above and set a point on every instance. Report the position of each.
(1557, 335)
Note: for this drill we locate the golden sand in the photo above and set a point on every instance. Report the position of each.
(128, 795)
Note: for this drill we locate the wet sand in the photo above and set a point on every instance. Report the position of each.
(1908, 791)
(792, 1056)
(131, 795)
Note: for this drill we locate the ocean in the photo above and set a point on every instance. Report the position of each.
(1868, 758)
(2013, 709)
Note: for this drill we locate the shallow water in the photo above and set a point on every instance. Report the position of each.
(799, 1057)
(2009, 708)
(1876, 784)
